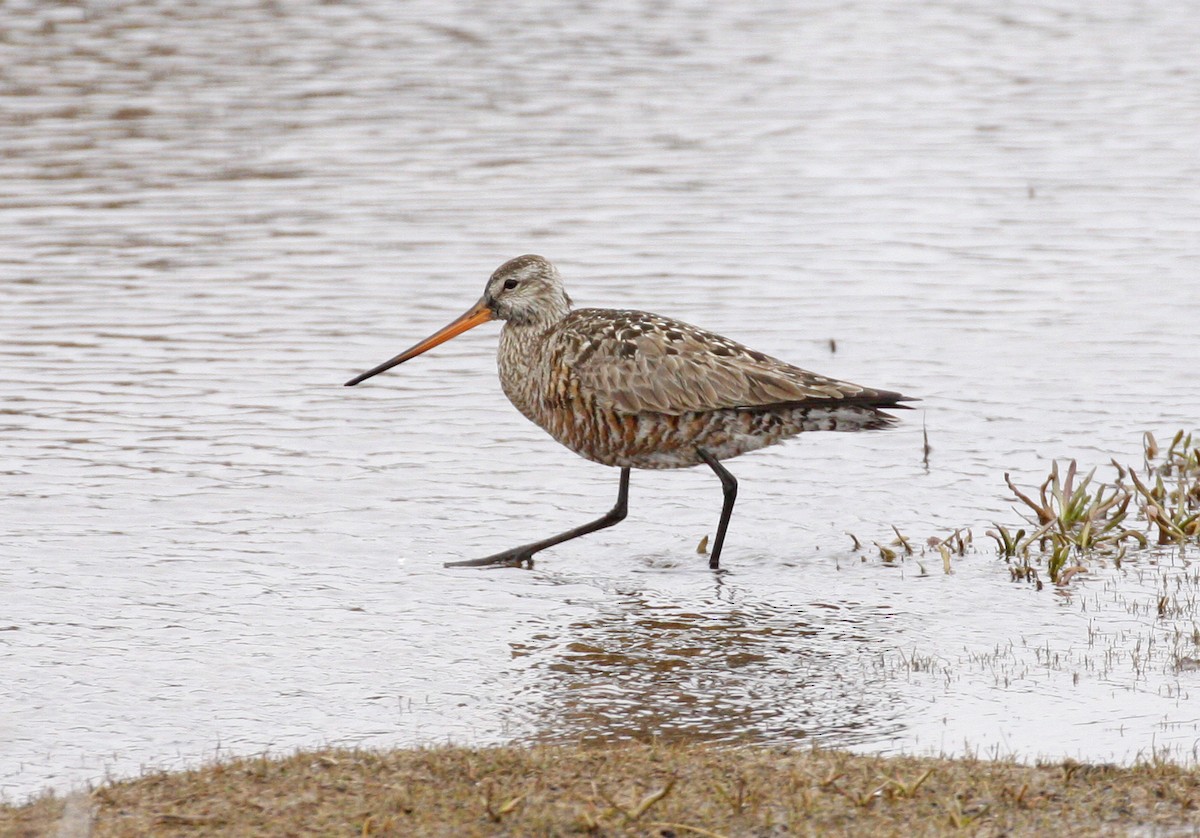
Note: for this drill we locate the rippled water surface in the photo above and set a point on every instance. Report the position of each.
(213, 214)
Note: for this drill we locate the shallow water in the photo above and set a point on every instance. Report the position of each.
(214, 215)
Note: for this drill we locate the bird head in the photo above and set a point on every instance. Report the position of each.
(526, 291)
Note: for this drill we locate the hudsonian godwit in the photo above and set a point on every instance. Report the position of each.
(636, 390)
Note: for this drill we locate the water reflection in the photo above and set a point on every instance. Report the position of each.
(726, 671)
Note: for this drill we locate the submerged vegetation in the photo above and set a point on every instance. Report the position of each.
(1070, 521)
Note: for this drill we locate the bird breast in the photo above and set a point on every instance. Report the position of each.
(526, 372)
(537, 377)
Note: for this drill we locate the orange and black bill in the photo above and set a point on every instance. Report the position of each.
(479, 313)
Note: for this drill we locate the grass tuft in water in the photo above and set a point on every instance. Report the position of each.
(1070, 518)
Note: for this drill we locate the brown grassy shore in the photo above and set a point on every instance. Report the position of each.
(644, 790)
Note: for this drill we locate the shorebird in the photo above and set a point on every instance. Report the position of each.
(636, 390)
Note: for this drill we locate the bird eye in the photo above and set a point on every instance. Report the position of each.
(510, 284)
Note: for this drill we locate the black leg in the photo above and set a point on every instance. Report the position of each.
(524, 554)
(729, 486)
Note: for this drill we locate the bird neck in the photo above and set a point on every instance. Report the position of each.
(523, 338)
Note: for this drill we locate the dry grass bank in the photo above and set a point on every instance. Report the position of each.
(660, 790)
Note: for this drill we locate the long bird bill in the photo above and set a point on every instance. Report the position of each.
(479, 313)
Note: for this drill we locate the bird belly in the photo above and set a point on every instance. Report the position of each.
(662, 441)
(659, 440)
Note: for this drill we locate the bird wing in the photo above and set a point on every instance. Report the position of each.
(633, 362)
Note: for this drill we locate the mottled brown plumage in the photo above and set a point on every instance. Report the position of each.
(636, 390)
(629, 388)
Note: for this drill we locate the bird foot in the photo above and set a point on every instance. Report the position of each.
(516, 557)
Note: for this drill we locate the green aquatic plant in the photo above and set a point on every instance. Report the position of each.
(1010, 544)
(1074, 517)
(1172, 504)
